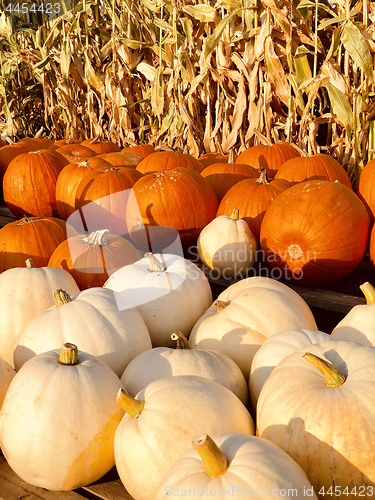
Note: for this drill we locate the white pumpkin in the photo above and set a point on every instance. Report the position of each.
(58, 420)
(235, 466)
(7, 373)
(103, 323)
(26, 292)
(275, 349)
(247, 313)
(167, 415)
(169, 291)
(227, 245)
(359, 324)
(318, 405)
(162, 362)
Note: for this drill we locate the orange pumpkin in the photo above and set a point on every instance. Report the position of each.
(33, 237)
(37, 142)
(166, 160)
(75, 153)
(101, 146)
(68, 181)
(223, 176)
(208, 159)
(2, 143)
(318, 166)
(105, 192)
(162, 206)
(315, 232)
(91, 259)
(9, 152)
(122, 159)
(141, 150)
(29, 183)
(274, 156)
(252, 197)
(365, 187)
(62, 142)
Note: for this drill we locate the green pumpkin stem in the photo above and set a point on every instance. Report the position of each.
(29, 263)
(220, 305)
(68, 354)
(61, 297)
(132, 406)
(155, 265)
(333, 376)
(235, 215)
(213, 458)
(182, 341)
(369, 292)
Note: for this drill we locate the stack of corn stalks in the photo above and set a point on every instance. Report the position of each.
(196, 75)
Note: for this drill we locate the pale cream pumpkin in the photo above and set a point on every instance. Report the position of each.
(247, 313)
(58, 420)
(359, 324)
(6, 376)
(105, 324)
(183, 407)
(169, 291)
(161, 362)
(318, 405)
(237, 466)
(227, 245)
(26, 292)
(275, 349)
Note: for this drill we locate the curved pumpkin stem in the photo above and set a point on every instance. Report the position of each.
(182, 341)
(369, 292)
(61, 297)
(132, 406)
(262, 179)
(213, 458)
(221, 305)
(155, 265)
(98, 237)
(68, 354)
(235, 215)
(333, 376)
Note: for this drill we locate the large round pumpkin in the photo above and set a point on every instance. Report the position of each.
(37, 142)
(29, 183)
(308, 168)
(9, 152)
(31, 237)
(252, 197)
(100, 146)
(315, 232)
(75, 153)
(269, 157)
(92, 258)
(101, 199)
(160, 205)
(166, 160)
(365, 187)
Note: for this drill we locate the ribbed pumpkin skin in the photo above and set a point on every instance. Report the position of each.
(118, 159)
(75, 153)
(208, 159)
(34, 238)
(365, 187)
(37, 142)
(64, 142)
(9, 152)
(166, 160)
(141, 150)
(29, 183)
(91, 265)
(223, 176)
(252, 198)
(318, 166)
(315, 232)
(68, 181)
(274, 156)
(100, 146)
(178, 199)
(109, 189)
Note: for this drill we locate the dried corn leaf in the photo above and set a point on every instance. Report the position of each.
(276, 72)
(202, 12)
(356, 45)
(340, 106)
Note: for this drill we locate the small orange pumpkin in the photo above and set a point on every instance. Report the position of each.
(208, 159)
(166, 160)
(141, 150)
(101, 146)
(121, 159)
(75, 153)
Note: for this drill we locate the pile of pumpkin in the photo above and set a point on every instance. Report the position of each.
(108, 357)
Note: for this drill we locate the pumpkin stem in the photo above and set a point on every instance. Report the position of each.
(132, 406)
(29, 263)
(369, 292)
(61, 297)
(262, 179)
(182, 341)
(221, 305)
(231, 156)
(213, 458)
(68, 354)
(155, 265)
(83, 163)
(97, 237)
(235, 215)
(333, 376)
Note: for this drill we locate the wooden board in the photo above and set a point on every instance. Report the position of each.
(13, 487)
